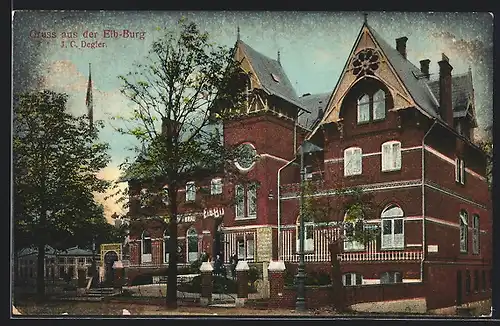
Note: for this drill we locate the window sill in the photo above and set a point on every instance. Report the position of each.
(392, 248)
(245, 218)
(391, 170)
(353, 175)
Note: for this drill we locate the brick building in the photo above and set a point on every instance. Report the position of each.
(387, 128)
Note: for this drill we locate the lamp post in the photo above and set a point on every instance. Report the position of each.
(300, 304)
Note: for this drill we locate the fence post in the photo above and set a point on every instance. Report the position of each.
(242, 282)
(206, 283)
(276, 283)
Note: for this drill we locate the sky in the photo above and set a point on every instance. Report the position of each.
(314, 47)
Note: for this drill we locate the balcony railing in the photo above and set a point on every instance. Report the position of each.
(380, 256)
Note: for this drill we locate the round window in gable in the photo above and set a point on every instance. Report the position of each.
(246, 155)
(365, 62)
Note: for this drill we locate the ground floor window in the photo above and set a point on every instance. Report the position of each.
(245, 249)
(351, 279)
(390, 278)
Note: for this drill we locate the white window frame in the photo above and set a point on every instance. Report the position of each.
(239, 206)
(351, 245)
(190, 191)
(363, 103)
(457, 170)
(476, 249)
(379, 100)
(146, 257)
(192, 255)
(353, 161)
(462, 172)
(216, 186)
(353, 278)
(464, 231)
(250, 243)
(166, 254)
(392, 277)
(240, 250)
(251, 201)
(308, 236)
(391, 156)
(392, 213)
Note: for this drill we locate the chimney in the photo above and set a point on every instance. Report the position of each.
(445, 95)
(424, 67)
(401, 45)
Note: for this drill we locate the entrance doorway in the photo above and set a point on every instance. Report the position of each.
(109, 258)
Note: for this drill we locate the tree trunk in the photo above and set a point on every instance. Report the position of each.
(173, 255)
(40, 279)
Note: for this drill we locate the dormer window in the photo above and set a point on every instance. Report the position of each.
(371, 107)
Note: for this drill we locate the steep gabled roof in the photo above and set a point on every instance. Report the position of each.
(410, 75)
(462, 92)
(271, 75)
(316, 105)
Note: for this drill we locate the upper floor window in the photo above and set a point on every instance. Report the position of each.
(190, 191)
(464, 222)
(371, 107)
(391, 156)
(216, 186)
(352, 279)
(246, 201)
(308, 236)
(475, 234)
(392, 228)
(352, 161)
(390, 277)
(459, 171)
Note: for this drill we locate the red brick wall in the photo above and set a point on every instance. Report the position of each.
(441, 284)
(316, 297)
(385, 292)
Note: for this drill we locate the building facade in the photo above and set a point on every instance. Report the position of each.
(388, 129)
(58, 263)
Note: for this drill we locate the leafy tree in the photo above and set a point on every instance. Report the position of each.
(55, 163)
(486, 145)
(181, 92)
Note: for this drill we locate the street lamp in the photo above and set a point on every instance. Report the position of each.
(300, 304)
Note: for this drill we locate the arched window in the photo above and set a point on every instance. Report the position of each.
(308, 236)
(146, 247)
(166, 250)
(475, 234)
(352, 227)
(371, 106)
(392, 227)
(363, 108)
(464, 222)
(379, 105)
(192, 244)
